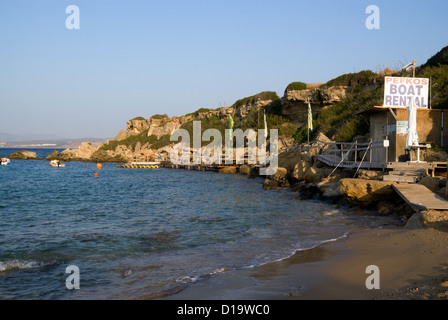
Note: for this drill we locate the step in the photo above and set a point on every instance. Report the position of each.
(397, 178)
(406, 173)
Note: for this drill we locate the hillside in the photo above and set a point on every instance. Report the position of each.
(333, 105)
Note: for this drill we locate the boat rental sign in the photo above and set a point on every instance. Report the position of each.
(399, 90)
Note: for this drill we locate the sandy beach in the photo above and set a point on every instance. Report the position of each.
(413, 264)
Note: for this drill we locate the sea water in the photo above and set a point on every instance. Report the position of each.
(143, 233)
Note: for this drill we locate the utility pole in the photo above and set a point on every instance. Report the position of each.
(413, 69)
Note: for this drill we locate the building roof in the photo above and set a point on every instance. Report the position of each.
(377, 109)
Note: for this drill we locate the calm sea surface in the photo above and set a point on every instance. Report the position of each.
(143, 233)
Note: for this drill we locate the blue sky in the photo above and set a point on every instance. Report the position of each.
(144, 57)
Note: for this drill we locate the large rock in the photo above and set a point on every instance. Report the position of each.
(269, 184)
(137, 125)
(365, 192)
(244, 169)
(429, 219)
(281, 176)
(370, 174)
(430, 155)
(295, 102)
(227, 170)
(23, 155)
(289, 159)
(160, 130)
(107, 156)
(311, 174)
(53, 156)
(300, 169)
(432, 183)
(83, 153)
(330, 190)
(123, 134)
(279, 179)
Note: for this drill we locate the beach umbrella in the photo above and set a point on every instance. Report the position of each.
(412, 137)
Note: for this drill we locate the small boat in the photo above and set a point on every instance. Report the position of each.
(5, 161)
(56, 163)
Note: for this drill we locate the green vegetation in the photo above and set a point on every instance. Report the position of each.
(255, 120)
(296, 86)
(159, 116)
(340, 121)
(214, 122)
(162, 142)
(359, 79)
(197, 112)
(143, 138)
(262, 96)
(438, 76)
(440, 58)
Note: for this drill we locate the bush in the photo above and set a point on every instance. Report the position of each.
(296, 86)
(262, 96)
(159, 116)
(162, 142)
(361, 79)
(275, 107)
(440, 58)
(439, 85)
(339, 122)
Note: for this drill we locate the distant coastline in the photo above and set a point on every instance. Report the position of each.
(45, 144)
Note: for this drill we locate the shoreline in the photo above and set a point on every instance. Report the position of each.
(413, 265)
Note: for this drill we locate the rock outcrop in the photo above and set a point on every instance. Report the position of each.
(365, 192)
(244, 169)
(429, 219)
(295, 102)
(108, 156)
(23, 155)
(161, 129)
(83, 153)
(279, 179)
(228, 170)
(53, 156)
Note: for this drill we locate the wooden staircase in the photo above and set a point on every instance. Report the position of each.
(407, 172)
(411, 176)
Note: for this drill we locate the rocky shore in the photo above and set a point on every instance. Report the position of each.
(24, 155)
(300, 171)
(362, 189)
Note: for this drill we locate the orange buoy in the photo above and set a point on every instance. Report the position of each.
(99, 166)
(96, 174)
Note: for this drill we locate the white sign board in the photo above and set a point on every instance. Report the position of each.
(399, 90)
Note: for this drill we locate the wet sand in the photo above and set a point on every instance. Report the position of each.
(413, 264)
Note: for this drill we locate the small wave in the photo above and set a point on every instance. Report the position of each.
(300, 247)
(187, 279)
(22, 264)
(190, 279)
(330, 212)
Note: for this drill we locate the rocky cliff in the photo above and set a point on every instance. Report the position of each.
(144, 138)
(295, 102)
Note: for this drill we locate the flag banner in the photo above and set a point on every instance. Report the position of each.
(231, 126)
(310, 117)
